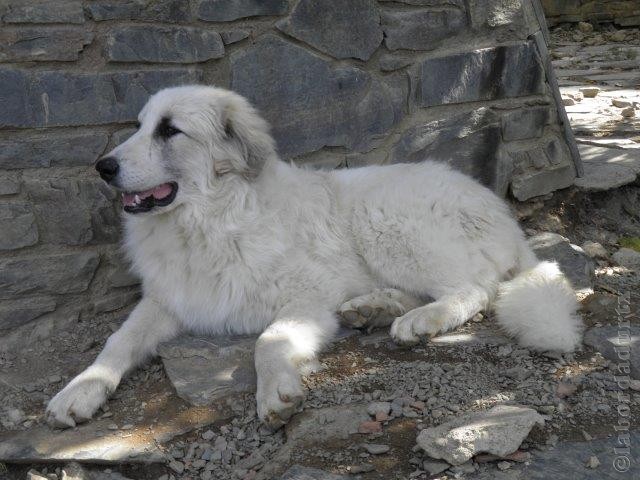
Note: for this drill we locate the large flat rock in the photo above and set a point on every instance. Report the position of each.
(607, 168)
(618, 344)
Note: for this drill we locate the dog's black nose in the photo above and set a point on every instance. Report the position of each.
(107, 168)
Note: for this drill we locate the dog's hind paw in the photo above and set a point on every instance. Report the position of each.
(376, 309)
(428, 320)
(278, 398)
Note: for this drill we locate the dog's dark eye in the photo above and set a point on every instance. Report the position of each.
(165, 130)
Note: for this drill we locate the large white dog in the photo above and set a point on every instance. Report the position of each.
(229, 239)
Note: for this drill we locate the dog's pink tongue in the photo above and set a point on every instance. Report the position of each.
(160, 191)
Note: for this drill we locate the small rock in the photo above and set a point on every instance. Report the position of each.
(504, 466)
(617, 102)
(378, 407)
(434, 467)
(590, 92)
(595, 250)
(208, 435)
(593, 462)
(370, 427)
(568, 102)
(634, 385)
(15, 416)
(585, 27)
(626, 257)
(375, 448)
(176, 466)
(566, 389)
(55, 379)
(628, 112)
(363, 468)
(382, 417)
(618, 36)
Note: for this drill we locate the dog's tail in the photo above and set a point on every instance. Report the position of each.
(539, 307)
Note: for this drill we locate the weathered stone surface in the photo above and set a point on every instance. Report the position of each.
(57, 98)
(541, 170)
(32, 44)
(618, 344)
(9, 182)
(525, 123)
(50, 150)
(627, 257)
(94, 442)
(233, 36)
(499, 430)
(74, 212)
(468, 141)
(607, 168)
(60, 273)
(204, 370)
(310, 104)
(573, 261)
(227, 10)
(115, 301)
(420, 29)
(567, 460)
(18, 226)
(157, 11)
(298, 472)
(329, 423)
(486, 74)
(498, 14)
(43, 11)
(163, 44)
(340, 29)
(14, 313)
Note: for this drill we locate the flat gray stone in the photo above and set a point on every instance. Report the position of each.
(233, 36)
(485, 74)
(499, 431)
(323, 424)
(61, 150)
(18, 226)
(525, 123)
(340, 29)
(228, 10)
(308, 102)
(572, 260)
(14, 313)
(44, 11)
(421, 29)
(618, 344)
(56, 98)
(169, 11)
(204, 370)
(29, 44)
(607, 168)
(298, 472)
(9, 183)
(163, 44)
(58, 273)
(627, 257)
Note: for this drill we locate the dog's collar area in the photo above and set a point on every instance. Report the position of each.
(144, 201)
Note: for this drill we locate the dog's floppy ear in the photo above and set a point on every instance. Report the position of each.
(249, 134)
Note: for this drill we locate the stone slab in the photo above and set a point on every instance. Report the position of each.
(228, 10)
(618, 344)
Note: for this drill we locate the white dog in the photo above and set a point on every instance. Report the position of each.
(229, 239)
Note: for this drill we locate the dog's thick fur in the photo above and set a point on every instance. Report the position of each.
(254, 245)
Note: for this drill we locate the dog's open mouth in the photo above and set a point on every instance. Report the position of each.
(159, 196)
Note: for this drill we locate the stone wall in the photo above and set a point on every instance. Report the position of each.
(624, 13)
(343, 82)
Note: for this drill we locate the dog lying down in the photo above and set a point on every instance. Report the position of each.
(229, 239)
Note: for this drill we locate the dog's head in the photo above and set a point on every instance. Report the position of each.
(188, 139)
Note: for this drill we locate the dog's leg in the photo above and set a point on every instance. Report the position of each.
(447, 312)
(147, 326)
(377, 309)
(287, 348)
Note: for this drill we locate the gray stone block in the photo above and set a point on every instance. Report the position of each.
(421, 29)
(169, 11)
(228, 10)
(233, 36)
(59, 273)
(163, 44)
(14, 313)
(341, 29)
(56, 98)
(58, 150)
(74, 212)
(616, 343)
(468, 142)
(309, 103)
(573, 261)
(34, 44)
(204, 370)
(115, 301)
(486, 74)
(525, 123)
(18, 226)
(43, 11)
(493, 14)
(9, 183)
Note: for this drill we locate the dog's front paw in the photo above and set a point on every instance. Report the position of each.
(428, 320)
(78, 401)
(278, 397)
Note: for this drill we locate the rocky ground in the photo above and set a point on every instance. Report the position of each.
(467, 404)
